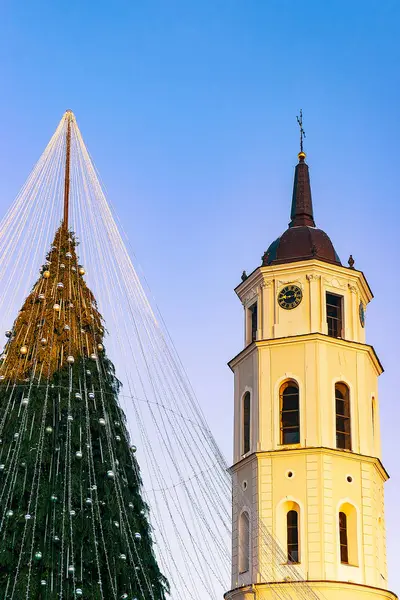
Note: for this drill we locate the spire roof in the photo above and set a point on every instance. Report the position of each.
(302, 240)
(302, 208)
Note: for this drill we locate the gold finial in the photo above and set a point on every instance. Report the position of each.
(69, 115)
(301, 154)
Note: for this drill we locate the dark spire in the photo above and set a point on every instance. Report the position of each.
(302, 209)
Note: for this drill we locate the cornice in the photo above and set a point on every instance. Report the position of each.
(309, 337)
(252, 282)
(316, 585)
(375, 461)
(242, 354)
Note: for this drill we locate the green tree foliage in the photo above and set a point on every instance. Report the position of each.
(73, 522)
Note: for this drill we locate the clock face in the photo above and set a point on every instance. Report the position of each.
(290, 296)
(361, 312)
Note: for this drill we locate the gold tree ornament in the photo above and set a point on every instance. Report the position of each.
(52, 329)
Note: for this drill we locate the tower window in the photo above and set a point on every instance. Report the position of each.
(343, 421)
(290, 413)
(246, 416)
(293, 536)
(348, 538)
(244, 542)
(334, 315)
(344, 547)
(253, 311)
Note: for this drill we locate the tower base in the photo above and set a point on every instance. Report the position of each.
(328, 590)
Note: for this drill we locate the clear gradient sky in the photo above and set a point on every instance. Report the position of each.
(189, 111)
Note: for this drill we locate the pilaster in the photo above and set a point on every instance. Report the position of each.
(368, 524)
(265, 510)
(314, 517)
(328, 519)
(314, 280)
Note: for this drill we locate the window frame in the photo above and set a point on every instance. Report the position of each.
(246, 395)
(296, 428)
(343, 538)
(252, 322)
(342, 418)
(348, 542)
(338, 322)
(244, 545)
(289, 540)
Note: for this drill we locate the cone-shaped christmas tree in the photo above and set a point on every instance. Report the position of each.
(72, 519)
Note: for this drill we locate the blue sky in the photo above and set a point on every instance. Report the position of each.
(189, 111)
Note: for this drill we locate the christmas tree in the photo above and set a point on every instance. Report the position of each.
(73, 522)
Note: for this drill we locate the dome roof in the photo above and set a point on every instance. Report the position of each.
(302, 240)
(301, 243)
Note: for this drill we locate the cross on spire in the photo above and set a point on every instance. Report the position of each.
(302, 208)
(302, 132)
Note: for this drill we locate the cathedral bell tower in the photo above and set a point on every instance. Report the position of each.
(307, 450)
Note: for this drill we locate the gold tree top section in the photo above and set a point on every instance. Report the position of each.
(68, 117)
(58, 323)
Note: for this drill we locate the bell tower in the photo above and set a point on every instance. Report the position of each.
(307, 450)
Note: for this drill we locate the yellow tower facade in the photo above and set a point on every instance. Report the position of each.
(307, 451)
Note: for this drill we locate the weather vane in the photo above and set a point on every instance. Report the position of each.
(302, 132)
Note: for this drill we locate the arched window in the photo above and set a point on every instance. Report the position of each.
(343, 423)
(246, 422)
(348, 539)
(244, 542)
(344, 546)
(293, 555)
(290, 413)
